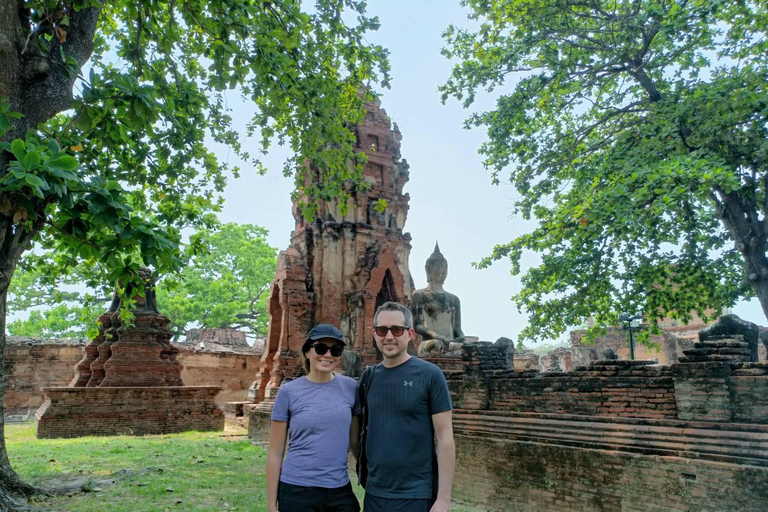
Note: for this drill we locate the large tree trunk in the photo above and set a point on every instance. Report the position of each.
(35, 84)
(13, 491)
(38, 88)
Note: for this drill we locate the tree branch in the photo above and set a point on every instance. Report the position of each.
(48, 88)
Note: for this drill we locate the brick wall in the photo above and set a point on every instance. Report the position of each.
(229, 337)
(609, 388)
(615, 435)
(666, 348)
(32, 364)
(500, 475)
(75, 412)
(232, 372)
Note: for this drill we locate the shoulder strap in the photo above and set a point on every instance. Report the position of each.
(365, 384)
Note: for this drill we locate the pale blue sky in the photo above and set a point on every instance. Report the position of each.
(452, 199)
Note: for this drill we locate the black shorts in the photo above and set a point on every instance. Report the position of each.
(377, 504)
(296, 498)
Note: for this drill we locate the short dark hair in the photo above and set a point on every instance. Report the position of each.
(395, 306)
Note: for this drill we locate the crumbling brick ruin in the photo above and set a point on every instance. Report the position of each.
(129, 381)
(614, 435)
(340, 267)
(32, 364)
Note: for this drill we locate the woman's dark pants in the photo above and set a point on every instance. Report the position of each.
(295, 498)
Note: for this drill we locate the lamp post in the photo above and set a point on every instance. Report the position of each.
(631, 323)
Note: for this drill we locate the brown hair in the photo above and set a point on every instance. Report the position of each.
(303, 359)
(395, 306)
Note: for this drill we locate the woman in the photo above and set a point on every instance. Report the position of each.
(321, 412)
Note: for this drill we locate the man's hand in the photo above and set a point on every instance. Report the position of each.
(441, 506)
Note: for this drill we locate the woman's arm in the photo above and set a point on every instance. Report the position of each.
(278, 433)
(354, 435)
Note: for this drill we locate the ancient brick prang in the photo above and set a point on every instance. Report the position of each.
(33, 364)
(134, 353)
(340, 266)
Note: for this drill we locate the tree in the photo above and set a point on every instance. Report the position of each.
(107, 108)
(224, 283)
(635, 133)
(56, 309)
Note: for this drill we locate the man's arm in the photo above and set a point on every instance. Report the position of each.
(446, 459)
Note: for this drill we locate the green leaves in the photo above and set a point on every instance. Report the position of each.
(62, 163)
(112, 177)
(225, 283)
(642, 163)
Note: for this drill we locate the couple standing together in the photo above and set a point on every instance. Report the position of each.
(403, 409)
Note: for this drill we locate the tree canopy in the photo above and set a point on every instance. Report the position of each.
(224, 284)
(108, 111)
(54, 308)
(635, 133)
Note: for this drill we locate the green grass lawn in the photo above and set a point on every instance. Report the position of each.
(195, 471)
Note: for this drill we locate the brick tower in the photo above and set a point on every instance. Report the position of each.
(339, 268)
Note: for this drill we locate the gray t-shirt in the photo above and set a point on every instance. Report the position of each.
(400, 442)
(319, 417)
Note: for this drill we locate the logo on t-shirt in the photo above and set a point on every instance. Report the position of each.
(406, 383)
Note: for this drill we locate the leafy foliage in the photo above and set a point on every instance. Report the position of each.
(224, 284)
(135, 137)
(54, 305)
(635, 133)
(108, 111)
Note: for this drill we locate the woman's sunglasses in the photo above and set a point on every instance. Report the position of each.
(397, 330)
(322, 348)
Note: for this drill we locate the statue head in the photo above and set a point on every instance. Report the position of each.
(437, 267)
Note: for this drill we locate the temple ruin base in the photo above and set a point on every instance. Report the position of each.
(76, 412)
(518, 462)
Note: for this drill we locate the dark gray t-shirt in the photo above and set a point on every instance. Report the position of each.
(319, 417)
(401, 402)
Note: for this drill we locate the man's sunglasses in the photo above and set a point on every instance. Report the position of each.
(322, 348)
(397, 330)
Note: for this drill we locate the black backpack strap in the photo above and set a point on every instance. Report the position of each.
(365, 384)
(362, 461)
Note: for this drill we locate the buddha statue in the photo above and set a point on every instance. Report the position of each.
(436, 312)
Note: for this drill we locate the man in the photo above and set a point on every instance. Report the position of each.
(409, 440)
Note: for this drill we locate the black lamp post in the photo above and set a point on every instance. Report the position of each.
(631, 323)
